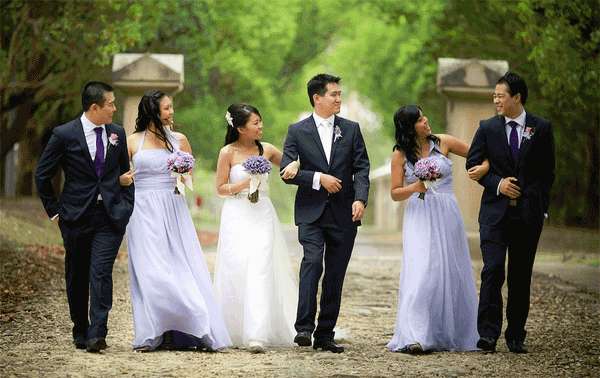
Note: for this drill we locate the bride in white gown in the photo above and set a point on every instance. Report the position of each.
(253, 277)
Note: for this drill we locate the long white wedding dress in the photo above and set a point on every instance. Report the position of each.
(254, 281)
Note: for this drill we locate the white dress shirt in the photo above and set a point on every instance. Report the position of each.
(325, 129)
(90, 135)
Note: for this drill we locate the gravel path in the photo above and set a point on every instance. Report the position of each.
(564, 338)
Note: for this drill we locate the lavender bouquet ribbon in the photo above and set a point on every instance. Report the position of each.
(427, 170)
(181, 164)
(258, 167)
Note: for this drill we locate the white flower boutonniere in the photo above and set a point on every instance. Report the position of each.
(528, 132)
(337, 133)
(113, 139)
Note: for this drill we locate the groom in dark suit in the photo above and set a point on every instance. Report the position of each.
(92, 210)
(520, 149)
(333, 188)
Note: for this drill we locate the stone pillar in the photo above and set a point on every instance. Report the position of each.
(136, 73)
(467, 85)
(387, 214)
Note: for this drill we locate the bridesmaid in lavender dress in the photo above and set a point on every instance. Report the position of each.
(171, 292)
(437, 300)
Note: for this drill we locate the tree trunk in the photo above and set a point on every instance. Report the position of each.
(592, 216)
(26, 165)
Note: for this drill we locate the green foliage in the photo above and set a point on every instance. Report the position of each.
(554, 44)
(384, 54)
(51, 48)
(249, 51)
(263, 52)
(390, 55)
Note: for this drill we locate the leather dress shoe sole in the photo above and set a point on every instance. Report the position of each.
(328, 347)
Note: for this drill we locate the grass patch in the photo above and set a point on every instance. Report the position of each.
(24, 222)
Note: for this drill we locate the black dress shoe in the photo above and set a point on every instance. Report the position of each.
(487, 344)
(303, 338)
(79, 342)
(95, 345)
(516, 346)
(329, 345)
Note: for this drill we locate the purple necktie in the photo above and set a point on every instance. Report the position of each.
(514, 140)
(99, 159)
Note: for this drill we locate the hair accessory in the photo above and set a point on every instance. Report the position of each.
(229, 119)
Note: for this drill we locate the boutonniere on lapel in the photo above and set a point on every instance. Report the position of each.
(337, 133)
(113, 139)
(528, 132)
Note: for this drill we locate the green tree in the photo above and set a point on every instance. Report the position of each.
(553, 44)
(242, 51)
(392, 48)
(49, 49)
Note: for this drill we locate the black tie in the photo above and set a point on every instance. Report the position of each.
(514, 140)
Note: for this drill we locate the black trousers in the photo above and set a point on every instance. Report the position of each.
(323, 241)
(91, 245)
(520, 239)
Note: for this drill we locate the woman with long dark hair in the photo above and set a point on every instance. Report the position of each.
(253, 277)
(437, 300)
(171, 293)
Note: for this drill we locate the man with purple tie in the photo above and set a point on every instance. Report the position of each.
(92, 210)
(520, 149)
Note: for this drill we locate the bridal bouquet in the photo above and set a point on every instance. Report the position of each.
(427, 170)
(181, 164)
(258, 167)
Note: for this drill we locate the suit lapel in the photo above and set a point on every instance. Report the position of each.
(312, 130)
(83, 143)
(110, 149)
(336, 123)
(526, 142)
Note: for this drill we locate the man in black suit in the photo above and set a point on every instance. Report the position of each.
(520, 149)
(92, 210)
(333, 188)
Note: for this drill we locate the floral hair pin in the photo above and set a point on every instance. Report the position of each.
(229, 119)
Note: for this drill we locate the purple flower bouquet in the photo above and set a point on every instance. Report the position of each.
(427, 170)
(181, 164)
(258, 167)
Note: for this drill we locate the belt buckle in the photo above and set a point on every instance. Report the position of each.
(512, 202)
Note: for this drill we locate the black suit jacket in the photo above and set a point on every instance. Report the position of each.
(348, 161)
(68, 149)
(534, 170)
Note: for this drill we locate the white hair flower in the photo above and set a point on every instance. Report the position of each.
(229, 119)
